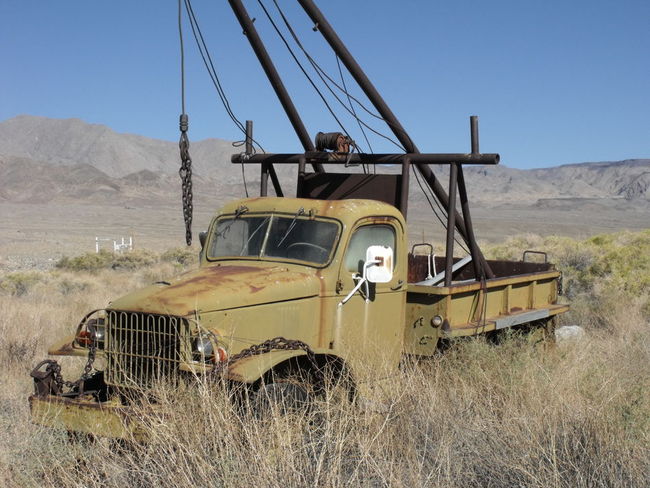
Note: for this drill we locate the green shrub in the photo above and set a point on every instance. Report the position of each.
(137, 259)
(600, 273)
(86, 262)
(181, 255)
(20, 283)
(108, 260)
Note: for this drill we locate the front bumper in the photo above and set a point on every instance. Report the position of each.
(86, 415)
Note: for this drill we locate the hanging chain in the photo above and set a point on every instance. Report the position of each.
(53, 370)
(278, 343)
(89, 364)
(185, 173)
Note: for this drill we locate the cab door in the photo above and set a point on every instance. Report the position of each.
(369, 328)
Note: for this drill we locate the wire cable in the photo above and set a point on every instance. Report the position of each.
(207, 60)
(212, 72)
(180, 35)
(374, 166)
(243, 173)
(322, 74)
(443, 211)
(318, 70)
(295, 58)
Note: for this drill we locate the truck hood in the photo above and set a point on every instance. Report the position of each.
(220, 287)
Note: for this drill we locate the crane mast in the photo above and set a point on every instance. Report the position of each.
(390, 188)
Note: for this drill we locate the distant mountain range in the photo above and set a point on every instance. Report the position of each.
(68, 142)
(43, 159)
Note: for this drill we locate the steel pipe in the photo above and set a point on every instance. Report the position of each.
(451, 224)
(272, 74)
(473, 133)
(330, 35)
(404, 190)
(357, 158)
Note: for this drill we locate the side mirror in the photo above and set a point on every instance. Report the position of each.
(202, 237)
(379, 262)
(378, 268)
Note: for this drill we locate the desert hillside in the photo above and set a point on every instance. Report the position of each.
(45, 159)
(65, 182)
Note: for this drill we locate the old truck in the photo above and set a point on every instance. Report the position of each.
(325, 280)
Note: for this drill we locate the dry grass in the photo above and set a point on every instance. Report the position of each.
(478, 415)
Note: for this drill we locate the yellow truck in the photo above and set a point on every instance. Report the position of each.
(298, 269)
(321, 282)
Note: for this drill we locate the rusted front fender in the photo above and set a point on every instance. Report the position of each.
(67, 347)
(253, 368)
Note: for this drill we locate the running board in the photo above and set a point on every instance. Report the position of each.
(521, 318)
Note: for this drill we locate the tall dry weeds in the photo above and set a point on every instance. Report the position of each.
(478, 415)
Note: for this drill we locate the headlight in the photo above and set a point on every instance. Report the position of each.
(203, 346)
(97, 329)
(436, 321)
(205, 349)
(94, 332)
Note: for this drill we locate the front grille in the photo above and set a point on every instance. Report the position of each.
(142, 349)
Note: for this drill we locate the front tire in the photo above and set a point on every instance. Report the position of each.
(283, 396)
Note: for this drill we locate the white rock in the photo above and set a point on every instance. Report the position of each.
(569, 333)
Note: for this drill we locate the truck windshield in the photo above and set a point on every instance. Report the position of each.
(274, 237)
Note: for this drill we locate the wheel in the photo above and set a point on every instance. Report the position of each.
(281, 397)
(322, 253)
(298, 389)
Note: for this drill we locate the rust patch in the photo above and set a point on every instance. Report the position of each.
(211, 273)
(223, 287)
(288, 277)
(254, 199)
(208, 279)
(64, 349)
(241, 362)
(515, 309)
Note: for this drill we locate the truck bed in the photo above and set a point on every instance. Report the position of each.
(521, 293)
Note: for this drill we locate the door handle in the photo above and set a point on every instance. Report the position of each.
(399, 285)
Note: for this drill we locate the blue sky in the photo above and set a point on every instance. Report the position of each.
(553, 82)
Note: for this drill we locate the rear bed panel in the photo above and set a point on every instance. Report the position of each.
(473, 308)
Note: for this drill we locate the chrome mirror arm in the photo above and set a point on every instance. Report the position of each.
(362, 281)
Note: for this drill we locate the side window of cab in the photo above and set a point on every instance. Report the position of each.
(362, 239)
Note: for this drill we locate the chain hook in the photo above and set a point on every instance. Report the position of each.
(185, 172)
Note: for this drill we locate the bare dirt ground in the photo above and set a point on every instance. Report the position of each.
(37, 235)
